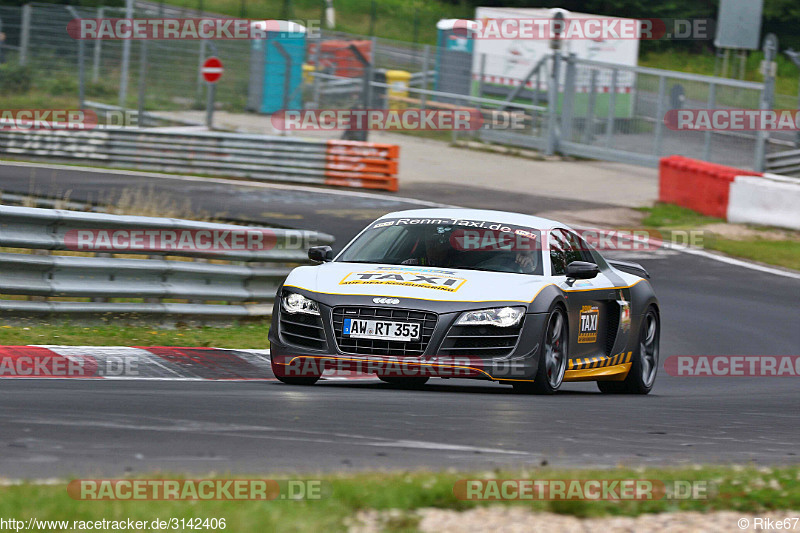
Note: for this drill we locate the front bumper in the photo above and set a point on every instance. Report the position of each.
(310, 350)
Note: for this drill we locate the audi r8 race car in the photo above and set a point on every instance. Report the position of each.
(466, 293)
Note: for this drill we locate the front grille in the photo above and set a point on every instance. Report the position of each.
(302, 330)
(380, 347)
(481, 340)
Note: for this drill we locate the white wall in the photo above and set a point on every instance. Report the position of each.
(770, 200)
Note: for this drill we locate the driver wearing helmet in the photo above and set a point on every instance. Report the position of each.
(436, 250)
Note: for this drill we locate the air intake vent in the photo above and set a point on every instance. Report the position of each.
(302, 330)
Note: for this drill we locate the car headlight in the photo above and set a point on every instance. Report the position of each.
(499, 316)
(297, 303)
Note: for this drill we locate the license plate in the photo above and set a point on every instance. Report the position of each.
(381, 329)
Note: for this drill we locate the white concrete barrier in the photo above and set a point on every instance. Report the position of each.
(769, 200)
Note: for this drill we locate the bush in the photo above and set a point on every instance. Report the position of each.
(15, 79)
(62, 86)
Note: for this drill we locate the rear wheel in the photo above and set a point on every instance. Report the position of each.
(295, 380)
(409, 382)
(642, 375)
(553, 359)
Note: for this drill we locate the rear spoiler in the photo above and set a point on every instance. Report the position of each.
(631, 268)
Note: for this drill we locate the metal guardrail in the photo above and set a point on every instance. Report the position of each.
(257, 157)
(247, 280)
(786, 162)
(148, 120)
(50, 202)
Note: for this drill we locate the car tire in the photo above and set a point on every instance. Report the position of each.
(553, 357)
(611, 387)
(295, 380)
(642, 375)
(406, 382)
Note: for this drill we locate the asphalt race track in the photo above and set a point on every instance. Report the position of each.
(80, 427)
(342, 213)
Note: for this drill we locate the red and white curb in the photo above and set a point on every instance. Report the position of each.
(143, 363)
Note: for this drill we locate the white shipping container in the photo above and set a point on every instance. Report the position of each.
(508, 61)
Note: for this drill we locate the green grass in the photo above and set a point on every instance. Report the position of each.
(662, 215)
(733, 488)
(245, 335)
(781, 252)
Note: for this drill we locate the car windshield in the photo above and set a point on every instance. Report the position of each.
(446, 243)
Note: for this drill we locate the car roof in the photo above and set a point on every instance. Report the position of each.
(489, 215)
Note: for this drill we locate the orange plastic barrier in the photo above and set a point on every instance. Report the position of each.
(698, 185)
(362, 164)
(339, 58)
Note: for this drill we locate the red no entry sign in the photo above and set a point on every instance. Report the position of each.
(212, 69)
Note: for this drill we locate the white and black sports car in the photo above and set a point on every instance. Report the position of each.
(470, 294)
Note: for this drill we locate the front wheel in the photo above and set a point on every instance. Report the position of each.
(642, 375)
(553, 358)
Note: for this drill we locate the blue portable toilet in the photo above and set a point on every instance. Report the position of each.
(268, 67)
(454, 56)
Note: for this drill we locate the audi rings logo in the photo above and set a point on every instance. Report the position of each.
(393, 301)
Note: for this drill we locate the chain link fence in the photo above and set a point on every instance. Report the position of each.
(597, 110)
(168, 69)
(620, 111)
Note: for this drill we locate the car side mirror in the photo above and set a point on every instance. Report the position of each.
(582, 270)
(320, 254)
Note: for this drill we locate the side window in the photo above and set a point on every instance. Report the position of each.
(558, 252)
(581, 250)
(566, 247)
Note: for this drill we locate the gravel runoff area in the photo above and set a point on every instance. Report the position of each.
(506, 519)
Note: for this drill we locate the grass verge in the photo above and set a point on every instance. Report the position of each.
(745, 489)
(781, 253)
(243, 335)
(765, 245)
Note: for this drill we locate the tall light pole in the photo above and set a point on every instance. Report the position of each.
(126, 59)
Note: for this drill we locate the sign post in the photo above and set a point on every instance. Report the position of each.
(212, 72)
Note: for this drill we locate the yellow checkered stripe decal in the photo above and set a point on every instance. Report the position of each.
(600, 362)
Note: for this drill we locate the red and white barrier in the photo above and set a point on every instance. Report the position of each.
(768, 200)
(734, 194)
